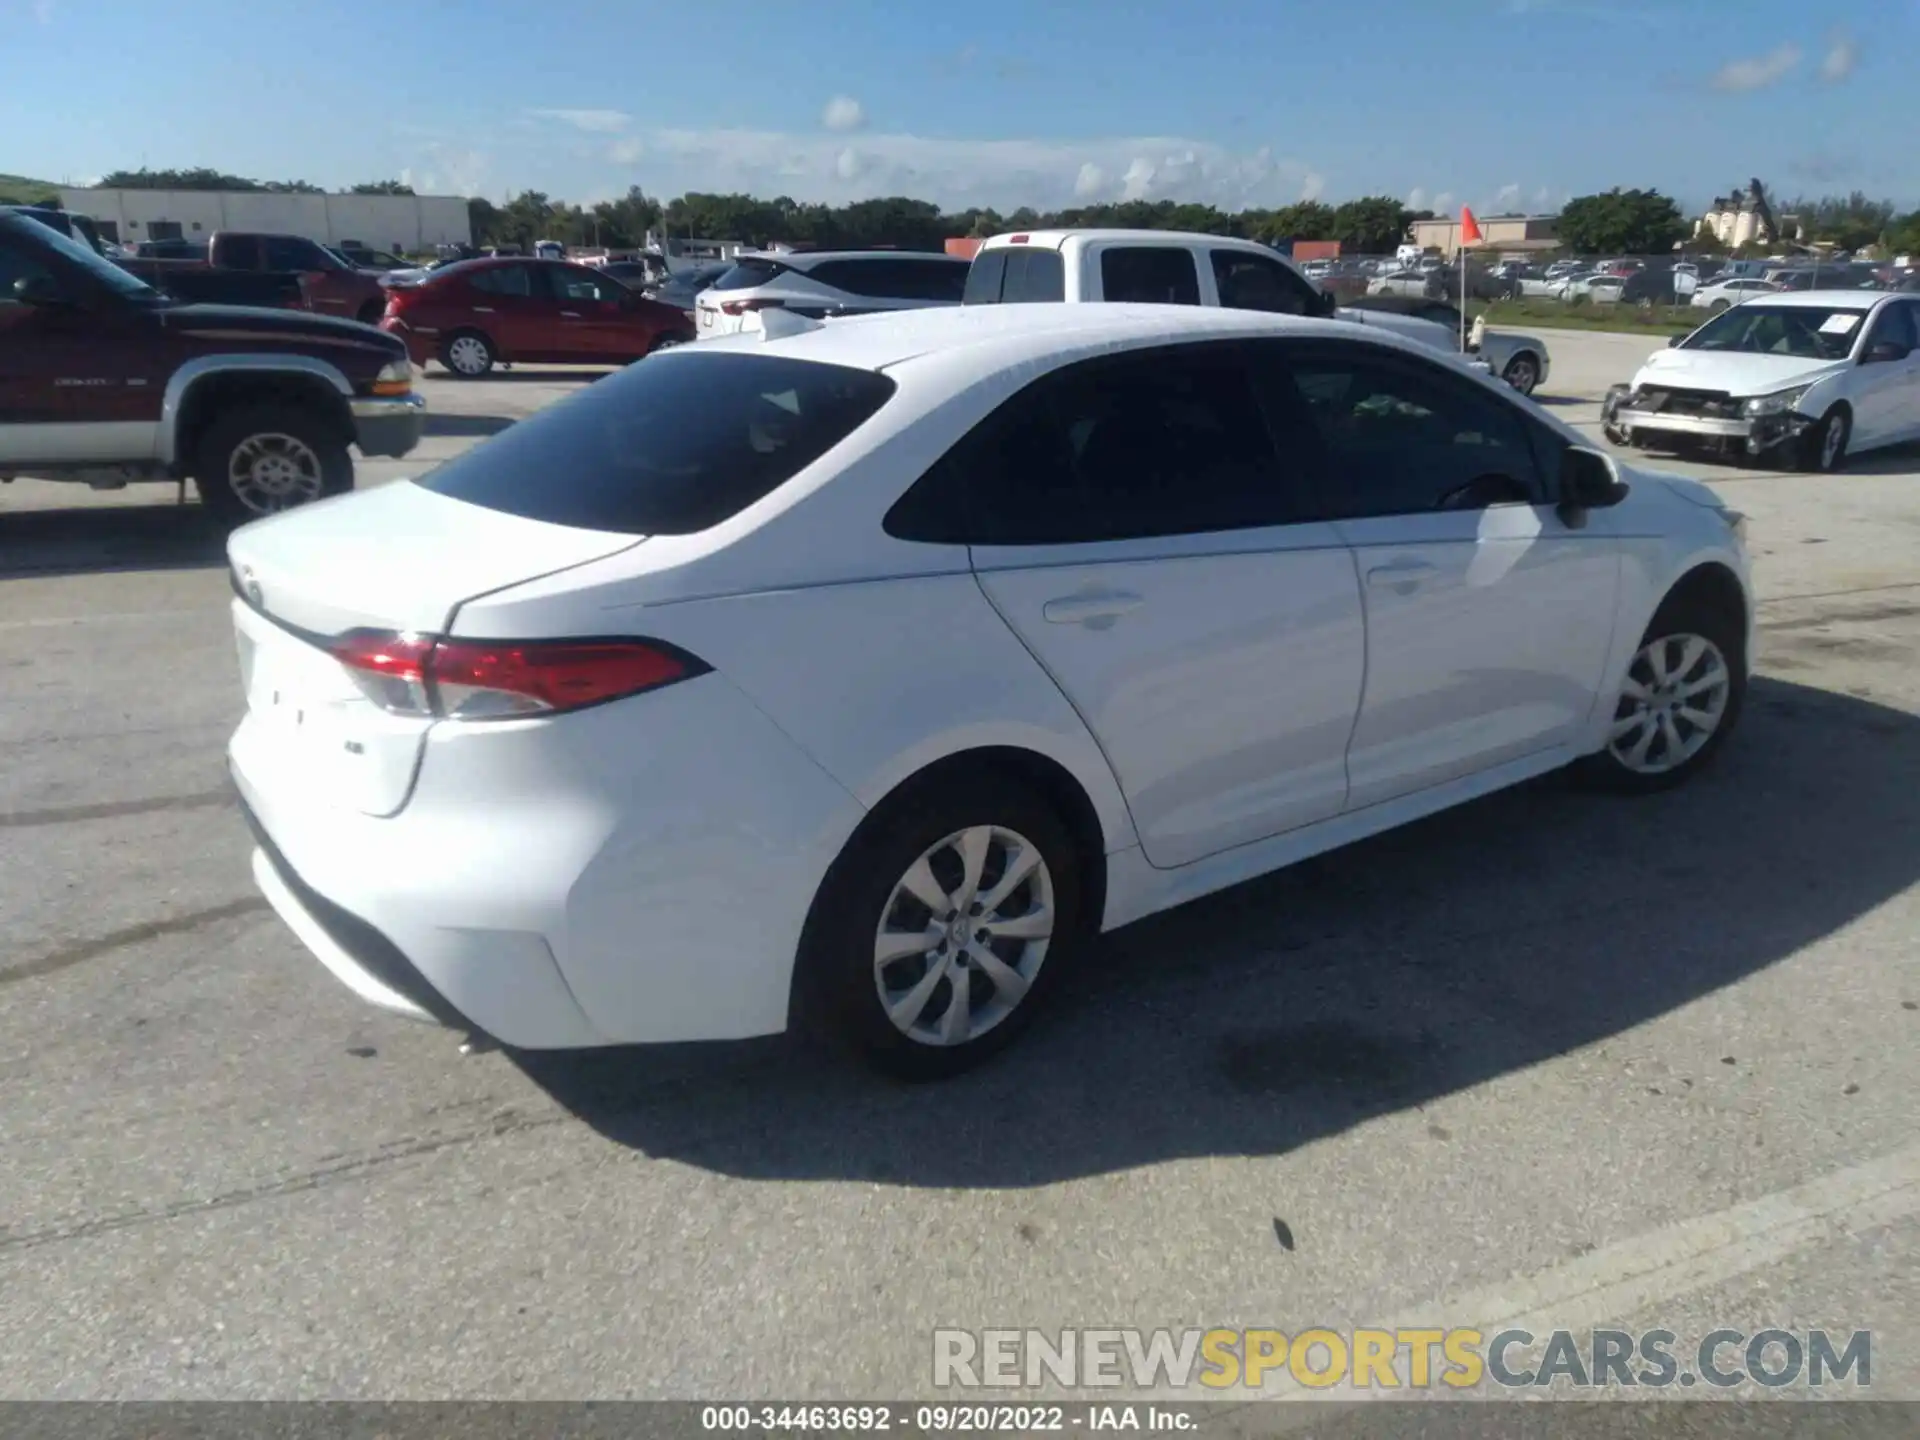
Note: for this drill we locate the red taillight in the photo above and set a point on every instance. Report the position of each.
(504, 679)
(741, 307)
(1016, 239)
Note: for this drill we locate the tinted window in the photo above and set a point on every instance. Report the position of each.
(747, 274)
(289, 252)
(503, 280)
(568, 282)
(671, 446)
(931, 279)
(1155, 275)
(1400, 438)
(1895, 325)
(1034, 277)
(1167, 443)
(1252, 282)
(17, 265)
(984, 276)
(891, 278)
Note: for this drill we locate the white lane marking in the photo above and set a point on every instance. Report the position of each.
(1632, 1276)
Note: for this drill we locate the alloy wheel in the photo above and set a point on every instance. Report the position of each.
(963, 935)
(1522, 375)
(1671, 705)
(274, 472)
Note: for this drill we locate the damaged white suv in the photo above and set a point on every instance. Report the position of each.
(1808, 378)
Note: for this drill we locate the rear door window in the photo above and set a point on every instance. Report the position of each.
(1149, 274)
(671, 447)
(1253, 282)
(504, 280)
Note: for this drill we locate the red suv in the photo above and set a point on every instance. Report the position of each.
(476, 312)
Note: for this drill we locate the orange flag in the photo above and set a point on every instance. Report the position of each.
(1469, 228)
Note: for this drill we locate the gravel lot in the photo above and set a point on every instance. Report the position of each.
(1649, 1062)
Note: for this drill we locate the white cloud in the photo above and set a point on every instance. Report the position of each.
(598, 122)
(1507, 197)
(1757, 72)
(843, 112)
(956, 173)
(626, 152)
(448, 170)
(1837, 64)
(1417, 198)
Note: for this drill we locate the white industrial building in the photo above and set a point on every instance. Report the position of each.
(401, 223)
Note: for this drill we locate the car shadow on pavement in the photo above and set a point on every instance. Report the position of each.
(1368, 981)
(84, 539)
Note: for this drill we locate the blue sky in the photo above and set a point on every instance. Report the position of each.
(1501, 104)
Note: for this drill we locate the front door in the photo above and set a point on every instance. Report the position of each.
(1886, 393)
(1488, 620)
(590, 323)
(77, 386)
(1132, 522)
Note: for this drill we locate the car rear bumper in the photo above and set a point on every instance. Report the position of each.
(638, 872)
(389, 425)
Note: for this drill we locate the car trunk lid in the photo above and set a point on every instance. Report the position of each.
(341, 578)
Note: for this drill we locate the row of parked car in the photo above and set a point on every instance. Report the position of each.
(272, 419)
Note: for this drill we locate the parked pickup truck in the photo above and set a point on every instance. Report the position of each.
(105, 380)
(1170, 267)
(193, 283)
(332, 286)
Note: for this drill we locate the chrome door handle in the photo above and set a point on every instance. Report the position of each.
(483, 310)
(1096, 609)
(569, 314)
(1403, 577)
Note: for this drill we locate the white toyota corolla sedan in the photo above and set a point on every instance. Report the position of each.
(863, 671)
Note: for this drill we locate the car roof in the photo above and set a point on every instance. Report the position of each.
(807, 259)
(1818, 299)
(983, 340)
(1054, 239)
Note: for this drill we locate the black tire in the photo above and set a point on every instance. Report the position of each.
(1823, 449)
(485, 356)
(1523, 372)
(371, 312)
(1718, 306)
(1681, 615)
(837, 986)
(310, 448)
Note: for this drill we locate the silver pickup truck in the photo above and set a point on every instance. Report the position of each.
(1520, 360)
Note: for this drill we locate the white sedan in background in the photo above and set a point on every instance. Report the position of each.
(862, 672)
(1809, 376)
(1724, 294)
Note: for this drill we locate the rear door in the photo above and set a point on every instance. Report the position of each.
(1246, 281)
(512, 304)
(1886, 393)
(1131, 519)
(1488, 620)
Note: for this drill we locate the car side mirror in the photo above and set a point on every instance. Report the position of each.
(1589, 480)
(38, 290)
(1882, 351)
(1673, 341)
(1326, 306)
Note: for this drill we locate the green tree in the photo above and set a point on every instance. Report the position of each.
(483, 221)
(198, 178)
(1848, 221)
(1371, 225)
(1621, 222)
(382, 187)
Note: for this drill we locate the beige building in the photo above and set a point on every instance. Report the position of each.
(1498, 232)
(1735, 220)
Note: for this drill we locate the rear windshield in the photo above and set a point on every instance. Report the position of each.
(1016, 276)
(671, 446)
(747, 274)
